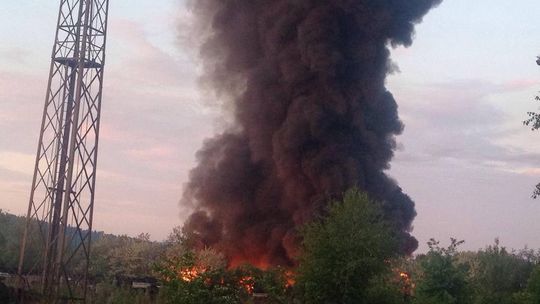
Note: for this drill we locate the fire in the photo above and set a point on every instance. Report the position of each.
(248, 283)
(243, 278)
(289, 277)
(406, 283)
(190, 274)
(260, 263)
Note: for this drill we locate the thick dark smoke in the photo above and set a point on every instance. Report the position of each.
(313, 118)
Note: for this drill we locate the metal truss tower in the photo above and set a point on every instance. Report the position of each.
(56, 242)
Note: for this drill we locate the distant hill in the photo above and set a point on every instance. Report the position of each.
(111, 254)
(11, 229)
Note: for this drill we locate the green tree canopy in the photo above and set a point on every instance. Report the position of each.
(497, 274)
(345, 252)
(442, 279)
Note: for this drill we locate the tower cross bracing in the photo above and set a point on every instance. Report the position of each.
(58, 232)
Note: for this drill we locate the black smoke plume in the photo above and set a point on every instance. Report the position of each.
(306, 80)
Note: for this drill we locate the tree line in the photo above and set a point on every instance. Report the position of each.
(349, 254)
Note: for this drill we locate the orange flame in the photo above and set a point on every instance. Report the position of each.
(289, 277)
(261, 263)
(190, 274)
(248, 283)
(406, 283)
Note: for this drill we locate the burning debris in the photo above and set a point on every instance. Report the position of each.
(306, 82)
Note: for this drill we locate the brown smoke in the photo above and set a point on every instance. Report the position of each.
(313, 118)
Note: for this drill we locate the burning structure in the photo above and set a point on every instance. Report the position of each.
(305, 80)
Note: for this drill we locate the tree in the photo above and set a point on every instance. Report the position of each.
(345, 252)
(442, 279)
(534, 122)
(532, 294)
(2, 245)
(497, 275)
(123, 256)
(533, 286)
(11, 228)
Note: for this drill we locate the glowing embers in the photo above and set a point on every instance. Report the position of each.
(290, 279)
(247, 278)
(248, 283)
(406, 284)
(190, 274)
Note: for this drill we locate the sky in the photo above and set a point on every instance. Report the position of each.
(463, 89)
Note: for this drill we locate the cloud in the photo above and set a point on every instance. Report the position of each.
(459, 121)
(464, 158)
(16, 55)
(21, 106)
(17, 162)
(528, 171)
(151, 153)
(152, 124)
(141, 62)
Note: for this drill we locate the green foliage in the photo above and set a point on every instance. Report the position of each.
(272, 282)
(2, 245)
(386, 289)
(111, 255)
(531, 295)
(11, 230)
(534, 118)
(442, 279)
(497, 275)
(187, 280)
(122, 255)
(534, 123)
(533, 285)
(349, 256)
(201, 276)
(523, 297)
(345, 251)
(492, 275)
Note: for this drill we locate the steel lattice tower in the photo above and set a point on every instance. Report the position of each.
(57, 238)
